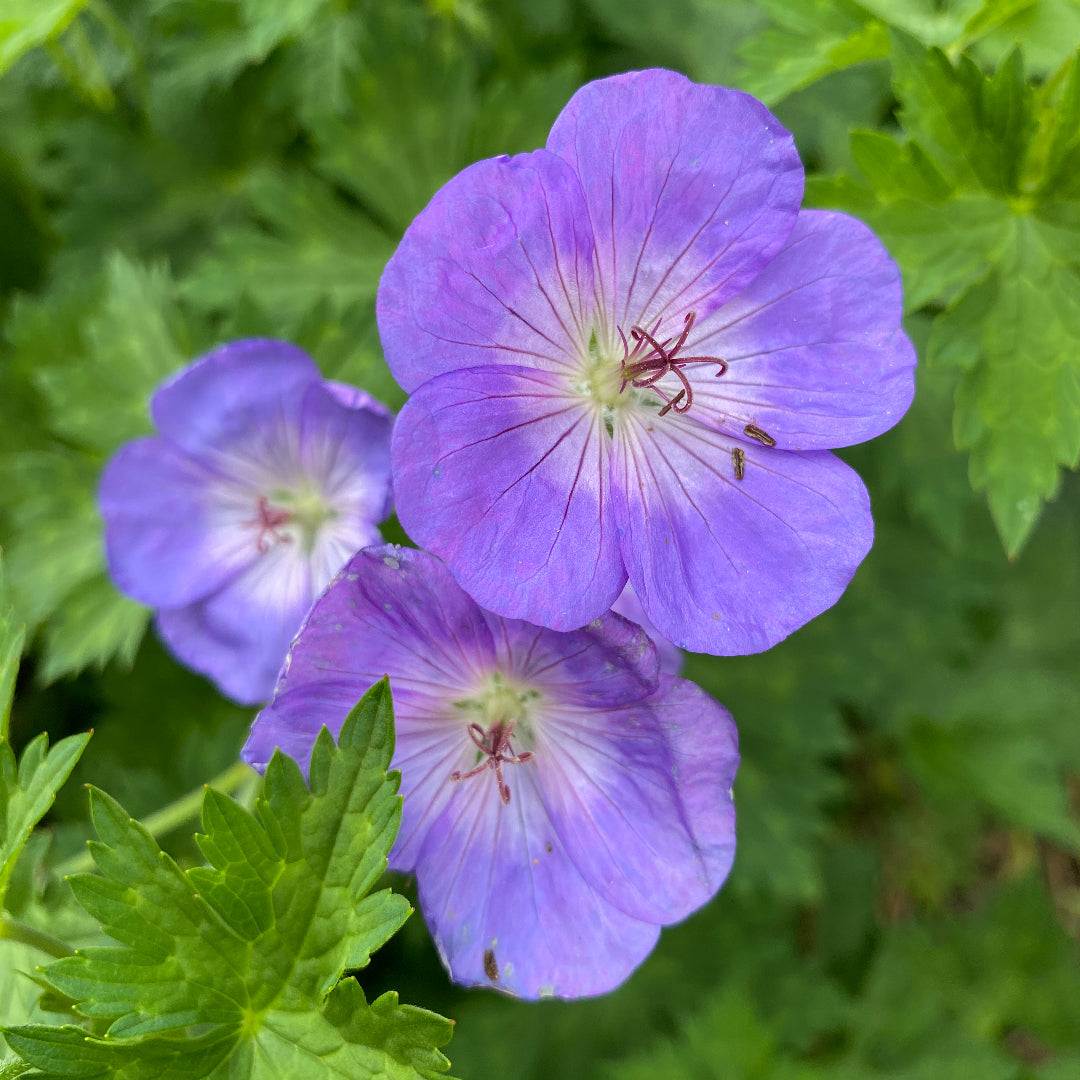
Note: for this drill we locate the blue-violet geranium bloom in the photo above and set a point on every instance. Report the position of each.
(563, 799)
(262, 481)
(630, 354)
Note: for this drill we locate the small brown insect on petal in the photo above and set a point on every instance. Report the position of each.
(759, 435)
(491, 969)
(738, 460)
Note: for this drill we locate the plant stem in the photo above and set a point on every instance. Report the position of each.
(13, 930)
(170, 817)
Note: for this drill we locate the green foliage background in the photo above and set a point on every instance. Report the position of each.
(906, 899)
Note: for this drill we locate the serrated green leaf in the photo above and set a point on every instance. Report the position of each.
(244, 956)
(27, 790)
(1018, 410)
(975, 205)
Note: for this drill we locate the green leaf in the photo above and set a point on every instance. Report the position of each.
(95, 355)
(811, 39)
(979, 205)
(55, 556)
(132, 342)
(241, 960)
(807, 42)
(12, 636)
(27, 790)
(700, 37)
(26, 24)
(419, 112)
(303, 245)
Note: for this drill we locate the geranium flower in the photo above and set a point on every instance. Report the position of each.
(562, 799)
(629, 354)
(262, 481)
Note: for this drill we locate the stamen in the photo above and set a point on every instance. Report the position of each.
(759, 435)
(491, 968)
(269, 520)
(662, 358)
(495, 744)
(738, 459)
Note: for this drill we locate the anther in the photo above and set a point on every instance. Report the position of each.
(738, 460)
(660, 358)
(759, 435)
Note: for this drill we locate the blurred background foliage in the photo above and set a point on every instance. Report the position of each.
(906, 899)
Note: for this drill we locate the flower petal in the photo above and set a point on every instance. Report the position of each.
(629, 607)
(343, 449)
(814, 346)
(691, 189)
(729, 566)
(240, 635)
(641, 797)
(502, 473)
(162, 541)
(504, 898)
(213, 399)
(496, 269)
(397, 611)
(611, 661)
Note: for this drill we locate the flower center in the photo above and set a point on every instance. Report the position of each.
(283, 517)
(612, 384)
(500, 708)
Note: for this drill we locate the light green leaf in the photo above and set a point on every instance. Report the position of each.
(11, 644)
(1018, 411)
(241, 960)
(980, 206)
(27, 790)
(810, 41)
(26, 24)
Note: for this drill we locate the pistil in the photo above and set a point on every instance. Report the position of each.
(501, 706)
(269, 520)
(650, 360)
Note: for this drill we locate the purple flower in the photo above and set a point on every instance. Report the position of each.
(262, 481)
(562, 799)
(629, 354)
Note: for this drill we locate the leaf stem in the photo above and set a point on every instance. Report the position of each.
(171, 817)
(13, 930)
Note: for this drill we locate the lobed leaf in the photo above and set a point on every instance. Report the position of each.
(236, 968)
